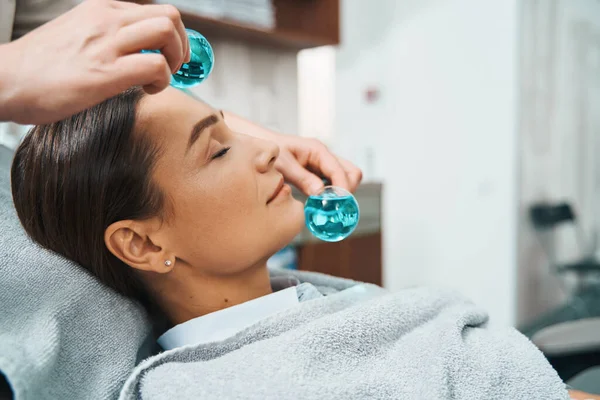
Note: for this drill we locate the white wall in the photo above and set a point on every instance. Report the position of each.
(443, 137)
(316, 93)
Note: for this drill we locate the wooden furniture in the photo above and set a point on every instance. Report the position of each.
(300, 24)
(357, 257)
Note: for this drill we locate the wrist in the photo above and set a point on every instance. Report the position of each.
(9, 91)
(242, 125)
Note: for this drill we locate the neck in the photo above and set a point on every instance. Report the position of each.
(183, 294)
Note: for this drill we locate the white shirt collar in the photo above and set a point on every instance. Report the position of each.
(225, 323)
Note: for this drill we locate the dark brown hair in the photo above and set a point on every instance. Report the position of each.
(73, 178)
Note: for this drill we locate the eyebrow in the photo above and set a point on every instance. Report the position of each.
(199, 127)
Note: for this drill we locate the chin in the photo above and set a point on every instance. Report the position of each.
(289, 226)
(296, 218)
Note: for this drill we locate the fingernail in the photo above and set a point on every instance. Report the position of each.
(316, 188)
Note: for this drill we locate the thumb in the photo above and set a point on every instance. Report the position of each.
(299, 176)
(149, 70)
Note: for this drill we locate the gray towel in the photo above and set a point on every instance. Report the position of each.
(358, 342)
(63, 335)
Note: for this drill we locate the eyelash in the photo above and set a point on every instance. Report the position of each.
(220, 153)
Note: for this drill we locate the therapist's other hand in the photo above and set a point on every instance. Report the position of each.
(302, 161)
(88, 55)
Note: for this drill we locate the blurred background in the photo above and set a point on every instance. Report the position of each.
(476, 124)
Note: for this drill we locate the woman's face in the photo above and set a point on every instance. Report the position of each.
(226, 205)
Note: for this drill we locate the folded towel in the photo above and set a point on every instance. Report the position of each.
(358, 342)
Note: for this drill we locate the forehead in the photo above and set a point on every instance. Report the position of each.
(170, 113)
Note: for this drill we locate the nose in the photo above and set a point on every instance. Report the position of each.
(267, 153)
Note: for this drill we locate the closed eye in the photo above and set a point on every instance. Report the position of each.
(220, 153)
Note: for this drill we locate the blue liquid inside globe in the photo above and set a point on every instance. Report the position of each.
(331, 215)
(201, 62)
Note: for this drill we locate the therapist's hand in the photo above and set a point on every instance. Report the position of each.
(302, 161)
(87, 55)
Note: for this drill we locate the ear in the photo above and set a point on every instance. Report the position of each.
(130, 242)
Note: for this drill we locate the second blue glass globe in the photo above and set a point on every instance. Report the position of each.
(200, 65)
(331, 215)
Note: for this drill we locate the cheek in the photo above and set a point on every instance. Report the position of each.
(217, 207)
(222, 223)
(230, 193)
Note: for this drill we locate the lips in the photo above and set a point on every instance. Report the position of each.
(277, 190)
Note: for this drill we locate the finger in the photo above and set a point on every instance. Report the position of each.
(134, 13)
(321, 160)
(298, 176)
(118, 4)
(154, 33)
(353, 173)
(149, 70)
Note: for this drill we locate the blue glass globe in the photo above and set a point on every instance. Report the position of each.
(331, 215)
(201, 62)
